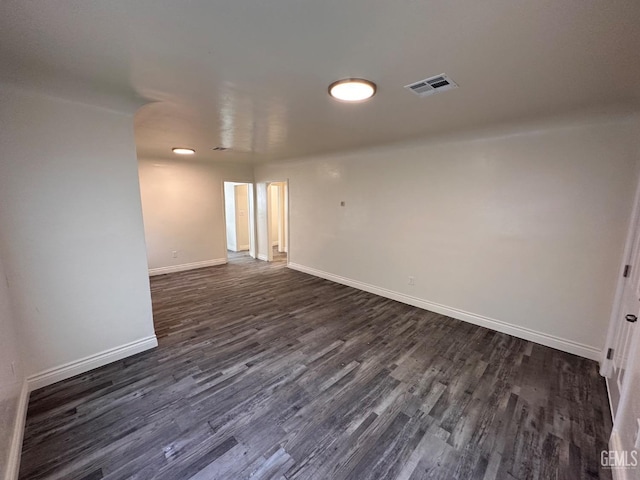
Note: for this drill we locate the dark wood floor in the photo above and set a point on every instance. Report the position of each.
(265, 372)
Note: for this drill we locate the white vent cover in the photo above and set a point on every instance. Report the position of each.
(431, 85)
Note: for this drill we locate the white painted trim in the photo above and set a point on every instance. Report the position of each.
(606, 381)
(85, 364)
(15, 450)
(559, 343)
(262, 256)
(53, 375)
(615, 444)
(186, 266)
(274, 243)
(606, 365)
(242, 248)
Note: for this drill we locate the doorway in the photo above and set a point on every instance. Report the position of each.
(239, 227)
(278, 221)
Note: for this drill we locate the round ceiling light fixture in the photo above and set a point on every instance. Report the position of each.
(352, 89)
(183, 151)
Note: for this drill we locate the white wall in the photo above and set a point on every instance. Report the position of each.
(182, 203)
(11, 377)
(71, 233)
(518, 230)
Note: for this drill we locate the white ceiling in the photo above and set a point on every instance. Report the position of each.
(253, 75)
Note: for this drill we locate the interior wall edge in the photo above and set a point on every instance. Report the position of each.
(13, 462)
(101, 99)
(563, 344)
(84, 365)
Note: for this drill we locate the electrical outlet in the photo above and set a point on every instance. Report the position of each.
(412, 281)
(175, 254)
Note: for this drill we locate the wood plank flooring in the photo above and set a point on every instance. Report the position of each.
(267, 373)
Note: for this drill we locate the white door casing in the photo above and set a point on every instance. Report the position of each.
(626, 325)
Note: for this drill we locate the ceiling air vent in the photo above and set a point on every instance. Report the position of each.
(429, 86)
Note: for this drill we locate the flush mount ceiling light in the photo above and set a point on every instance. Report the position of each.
(352, 89)
(183, 151)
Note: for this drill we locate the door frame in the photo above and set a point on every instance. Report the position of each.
(270, 185)
(616, 319)
(251, 213)
(285, 198)
(253, 246)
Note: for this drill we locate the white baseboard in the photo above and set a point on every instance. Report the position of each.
(558, 343)
(83, 365)
(274, 244)
(15, 450)
(186, 266)
(262, 256)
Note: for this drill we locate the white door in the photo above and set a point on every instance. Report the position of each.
(627, 320)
